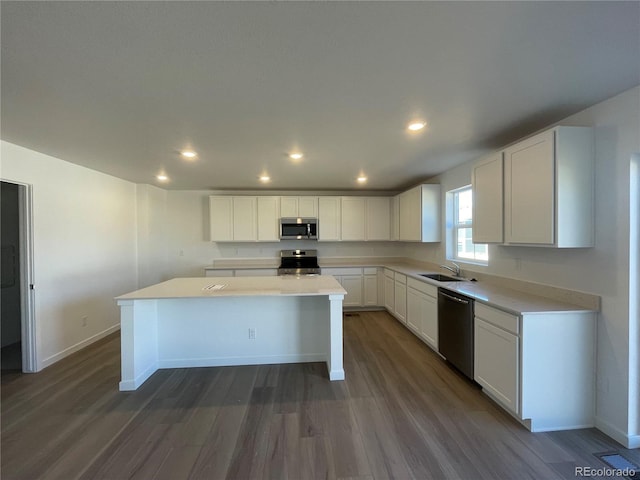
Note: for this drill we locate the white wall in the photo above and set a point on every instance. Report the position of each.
(84, 248)
(152, 229)
(602, 270)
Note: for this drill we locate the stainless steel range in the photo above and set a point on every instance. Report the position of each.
(299, 262)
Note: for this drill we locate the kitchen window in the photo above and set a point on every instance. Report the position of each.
(461, 245)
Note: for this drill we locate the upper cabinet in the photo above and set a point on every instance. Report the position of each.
(233, 219)
(486, 179)
(548, 189)
(268, 219)
(328, 219)
(419, 214)
(365, 218)
(304, 207)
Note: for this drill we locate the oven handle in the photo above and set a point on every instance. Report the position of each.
(455, 299)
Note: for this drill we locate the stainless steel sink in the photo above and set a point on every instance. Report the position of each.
(441, 278)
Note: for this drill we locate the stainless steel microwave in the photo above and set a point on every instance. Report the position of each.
(298, 228)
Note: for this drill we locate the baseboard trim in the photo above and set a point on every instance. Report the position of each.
(628, 441)
(231, 361)
(78, 346)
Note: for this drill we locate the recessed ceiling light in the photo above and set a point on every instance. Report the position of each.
(416, 126)
(190, 154)
(296, 156)
(162, 177)
(265, 178)
(362, 179)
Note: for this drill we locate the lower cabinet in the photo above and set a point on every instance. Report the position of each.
(400, 297)
(389, 287)
(422, 311)
(497, 363)
(353, 285)
(538, 366)
(370, 283)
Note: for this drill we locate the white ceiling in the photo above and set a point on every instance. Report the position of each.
(121, 87)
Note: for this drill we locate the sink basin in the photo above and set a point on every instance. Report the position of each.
(441, 278)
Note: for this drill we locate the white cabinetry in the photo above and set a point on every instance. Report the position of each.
(353, 218)
(539, 366)
(422, 311)
(305, 207)
(233, 219)
(548, 181)
(370, 282)
(328, 218)
(268, 219)
(378, 221)
(241, 272)
(487, 184)
(389, 288)
(496, 356)
(400, 297)
(351, 281)
(419, 211)
(365, 218)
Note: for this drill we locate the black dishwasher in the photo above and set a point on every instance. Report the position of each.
(455, 330)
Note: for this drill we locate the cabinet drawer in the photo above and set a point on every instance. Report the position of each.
(401, 278)
(341, 271)
(504, 320)
(422, 287)
(388, 273)
(370, 271)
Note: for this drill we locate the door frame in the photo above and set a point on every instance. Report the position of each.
(27, 303)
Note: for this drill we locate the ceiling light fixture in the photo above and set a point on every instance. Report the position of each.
(190, 154)
(295, 156)
(362, 179)
(162, 177)
(416, 126)
(265, 178)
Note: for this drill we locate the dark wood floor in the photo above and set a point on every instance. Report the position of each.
(402, 413)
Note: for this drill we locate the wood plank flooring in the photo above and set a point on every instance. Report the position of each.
(401, 413)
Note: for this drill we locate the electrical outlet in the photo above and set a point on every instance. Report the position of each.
(252, 334)
(84, 321)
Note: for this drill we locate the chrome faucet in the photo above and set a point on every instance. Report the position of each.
(455, 269)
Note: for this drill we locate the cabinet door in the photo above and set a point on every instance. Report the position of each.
(353, 218)
(389, 287)
(410, 215)
(487, 184)
(370, 290)
(353, 285)
(308, 207)
(530, 191)
(414, 310)
(288, 207)
(245, 220)
(400, 301)
(378, 218)
(395, 218)
(221, 218)
(268, 219)
(329, 218)
(429, 324)
(496, 363)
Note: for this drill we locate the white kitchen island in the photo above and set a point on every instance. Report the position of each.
(210, 322)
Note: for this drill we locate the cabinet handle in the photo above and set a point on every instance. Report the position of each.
(455, 299)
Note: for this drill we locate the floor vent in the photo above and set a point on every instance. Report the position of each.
(351, 314)
(623, 464)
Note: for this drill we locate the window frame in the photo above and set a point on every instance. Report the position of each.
(454, 226)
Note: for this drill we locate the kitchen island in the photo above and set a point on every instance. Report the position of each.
(210, 322)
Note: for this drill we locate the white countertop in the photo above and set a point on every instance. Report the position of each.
(499, 296)
(204, 287)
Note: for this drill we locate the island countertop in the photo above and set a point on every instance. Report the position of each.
(204, 287)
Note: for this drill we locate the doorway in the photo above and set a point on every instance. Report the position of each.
(16, 321)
